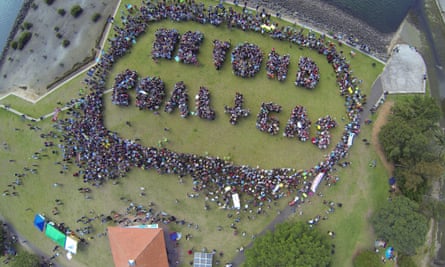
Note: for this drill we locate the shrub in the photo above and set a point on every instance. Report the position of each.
(34, 6)
(24, 39)
(14, 45)
(76, 10)
(95, 17)
(56, 29)
(49, 2)
(65, 43)
(59, 35)
(27, 25)
(61, 12)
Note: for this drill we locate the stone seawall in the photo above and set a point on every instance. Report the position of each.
(327, 18)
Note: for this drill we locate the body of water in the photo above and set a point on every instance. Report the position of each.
(383, 15)
(9, 10)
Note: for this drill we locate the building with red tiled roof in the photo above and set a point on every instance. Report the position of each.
(139, 247)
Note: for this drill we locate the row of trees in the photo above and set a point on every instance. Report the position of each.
(414, 143)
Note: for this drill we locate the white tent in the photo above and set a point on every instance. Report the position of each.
(71, 244)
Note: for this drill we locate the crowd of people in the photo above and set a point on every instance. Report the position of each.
(164, 44)
(189, 47)
(277, 66)
(123, 82)
(307, 74)
(246, 60)
(266, 122)
(323, 138)
(179, 99)
(150, 93)
(298, 124)
(220, 49)
(238, 110)
(104, 155)
(203, 109)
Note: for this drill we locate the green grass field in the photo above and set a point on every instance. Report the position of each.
(361, 189)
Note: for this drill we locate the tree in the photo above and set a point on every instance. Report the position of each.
(367, 258)
(23, 39)
(61, 12)
(95, 17)
(76, 10)
(25, 259)
(291, 244)
(413, 141)
(400, 222)
(411, 129)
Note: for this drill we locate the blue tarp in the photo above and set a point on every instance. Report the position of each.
(392, 180)
(388, 253)
(39, 222)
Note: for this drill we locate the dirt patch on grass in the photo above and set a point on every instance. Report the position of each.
(381, 120)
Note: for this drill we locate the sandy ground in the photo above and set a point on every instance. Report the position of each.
(44, 59)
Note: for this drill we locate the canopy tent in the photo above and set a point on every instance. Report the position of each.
(39, 222)
(201, 259)
(71, 244)
(52, 232)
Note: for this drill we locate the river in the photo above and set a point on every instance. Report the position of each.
(9, 10)
(384, 15)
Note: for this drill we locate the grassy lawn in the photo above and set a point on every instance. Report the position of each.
(361, 189)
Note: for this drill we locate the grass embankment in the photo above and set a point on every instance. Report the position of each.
(360, 189)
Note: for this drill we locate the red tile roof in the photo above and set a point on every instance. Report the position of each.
(146, 246)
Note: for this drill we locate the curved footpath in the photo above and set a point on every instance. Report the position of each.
(394, 76)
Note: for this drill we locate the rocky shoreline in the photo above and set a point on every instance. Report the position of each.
(327, 18)
(19, 20)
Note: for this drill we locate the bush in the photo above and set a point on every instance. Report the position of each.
(65, 43)
(49, 2)
(61, 12)
(27, 25)
(59, 35)
(76, 11)
(95, 17)
(34, 6)
(14, 45)
(56, 29)
(24, 39)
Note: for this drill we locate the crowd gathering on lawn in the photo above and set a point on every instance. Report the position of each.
(104, 155)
